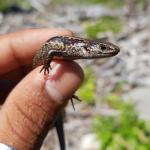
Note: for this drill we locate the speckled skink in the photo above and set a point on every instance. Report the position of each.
(70, 48)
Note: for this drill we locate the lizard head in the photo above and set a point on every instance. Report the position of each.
(104, 49)
(107, 48)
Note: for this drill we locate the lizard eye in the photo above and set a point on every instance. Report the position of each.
(103, 47)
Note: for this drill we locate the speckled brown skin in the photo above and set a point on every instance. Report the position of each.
(70, 48)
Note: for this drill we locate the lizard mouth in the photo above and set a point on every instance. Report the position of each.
(109, 51)
(113, 53)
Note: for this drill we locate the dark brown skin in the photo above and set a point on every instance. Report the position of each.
(70, 48)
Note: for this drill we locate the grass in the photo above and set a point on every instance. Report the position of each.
(104, 24)
(7, 4)
(88, 88)
(140, 3)
(107, 3)
(123, 132)
(110, 3)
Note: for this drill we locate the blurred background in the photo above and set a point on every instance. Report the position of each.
(115, 111)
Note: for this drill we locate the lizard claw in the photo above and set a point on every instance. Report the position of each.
(76, 98)
(72, 103)
(46, 69)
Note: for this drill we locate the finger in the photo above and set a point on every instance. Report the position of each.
(17, 49)
(35, 102)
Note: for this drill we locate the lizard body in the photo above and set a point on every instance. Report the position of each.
(70, 48)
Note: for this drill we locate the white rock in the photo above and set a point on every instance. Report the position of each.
(89, 142)
(140, 97)
(1, 18)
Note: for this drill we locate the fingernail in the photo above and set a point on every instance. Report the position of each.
(50, 84)
(54, 70)
(52, 91)
(63, 80)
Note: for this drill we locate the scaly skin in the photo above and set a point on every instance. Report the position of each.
(70, 48)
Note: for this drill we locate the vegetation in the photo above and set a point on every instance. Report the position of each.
(141, 3)
(88, 88)
(119, 87)
(110, 3)
(105, 24)
(114, 3)
(5, 5)
(124, 131)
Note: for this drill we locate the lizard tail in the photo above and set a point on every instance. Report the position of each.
(60, 131)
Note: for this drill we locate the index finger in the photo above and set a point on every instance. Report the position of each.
(17, 49)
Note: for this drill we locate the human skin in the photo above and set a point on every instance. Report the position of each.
(32, 100)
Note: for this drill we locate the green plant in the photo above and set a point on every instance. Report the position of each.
(141, 3)
(110, 3)
(88, 88)
(124, 131)
(6, 4)
(119, 87)
(105, 24)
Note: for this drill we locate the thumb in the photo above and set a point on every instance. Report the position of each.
(34, 104)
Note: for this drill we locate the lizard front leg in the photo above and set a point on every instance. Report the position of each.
(47, 66)
(49, 58)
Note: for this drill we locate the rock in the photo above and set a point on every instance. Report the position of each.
(89, 142)
(84, 12)
(1, 18)
(39, 4)
(141, 98)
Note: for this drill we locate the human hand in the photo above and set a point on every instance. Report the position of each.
(33, 101)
